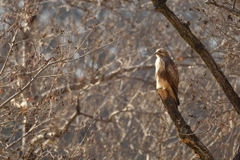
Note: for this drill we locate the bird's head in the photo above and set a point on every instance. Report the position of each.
(161, 53)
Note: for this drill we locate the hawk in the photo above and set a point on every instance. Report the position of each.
(166, 75)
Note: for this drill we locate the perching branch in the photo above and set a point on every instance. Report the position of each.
(184, 131)
(201, 50)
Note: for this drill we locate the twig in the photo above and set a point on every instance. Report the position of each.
(51, 134)
(30, 130)
(231, 10)
(234, 3)
(30, 82)
(9, 52)
(83, 84)
(202, 51)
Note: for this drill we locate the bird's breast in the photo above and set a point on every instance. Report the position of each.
(159, 64)
(160, 68)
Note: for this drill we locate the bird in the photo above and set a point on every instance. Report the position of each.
(166, 74)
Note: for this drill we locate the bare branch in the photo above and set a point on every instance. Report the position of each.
(231, 10)
(184, 130)
(9, 52)
(50, 135)
(237, 154)
(96, 80)
(201, 50)
(30, 82)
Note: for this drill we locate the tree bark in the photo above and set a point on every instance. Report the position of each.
(237, 154)
(196, 44)
(184, 131)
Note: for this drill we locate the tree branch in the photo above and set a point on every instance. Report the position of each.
(9, 52)
(30, 82)
(201, 50)
(231, 10)
(85, 84)
(184, 130)
(51, 135)
(237, 154)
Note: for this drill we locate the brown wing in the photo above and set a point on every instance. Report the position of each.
(172, 76)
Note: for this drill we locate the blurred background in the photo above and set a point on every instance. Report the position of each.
(77, 79)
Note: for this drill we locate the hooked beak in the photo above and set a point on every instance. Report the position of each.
(157, 54)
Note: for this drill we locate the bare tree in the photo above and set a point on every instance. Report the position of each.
(77, 79)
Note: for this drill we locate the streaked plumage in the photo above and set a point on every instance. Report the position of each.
(166, 74)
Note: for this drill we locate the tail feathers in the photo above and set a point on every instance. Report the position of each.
(173, 95)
